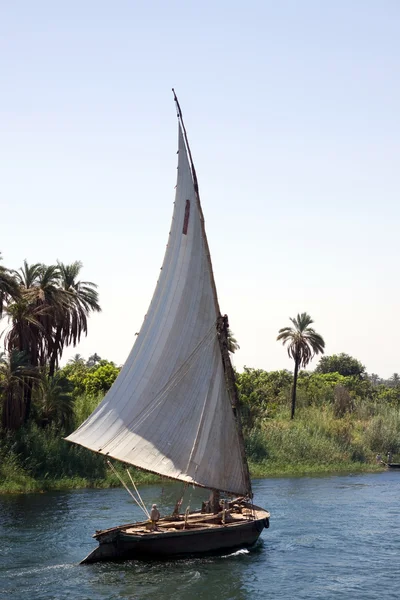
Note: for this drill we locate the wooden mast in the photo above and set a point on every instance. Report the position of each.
(222, 321)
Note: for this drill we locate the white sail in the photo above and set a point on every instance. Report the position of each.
(169, 410)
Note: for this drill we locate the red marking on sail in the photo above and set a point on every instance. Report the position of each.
(186, 219)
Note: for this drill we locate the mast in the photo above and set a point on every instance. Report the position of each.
(222, 323)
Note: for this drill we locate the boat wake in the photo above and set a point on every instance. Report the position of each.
(237, 553)
(34, 570)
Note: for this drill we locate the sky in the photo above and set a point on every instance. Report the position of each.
(292, 112)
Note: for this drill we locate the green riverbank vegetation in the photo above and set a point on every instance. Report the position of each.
(344, 416)
(342, 422)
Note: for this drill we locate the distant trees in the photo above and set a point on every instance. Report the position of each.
(341, 363)
(303, 342)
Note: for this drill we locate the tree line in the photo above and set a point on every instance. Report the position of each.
(45, 308)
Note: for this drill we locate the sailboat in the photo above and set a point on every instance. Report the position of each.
(174, 409)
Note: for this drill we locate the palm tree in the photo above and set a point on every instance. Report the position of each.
(375, 379)
(15, 375)
(56, 403)
(33, 317)
(8, 286)
(82, 298)
(32, 314)
(232, 342)
(303, 344)
(25, 327)
(77, 359)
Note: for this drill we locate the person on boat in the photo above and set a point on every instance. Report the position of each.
(389, 457)
(154, 515)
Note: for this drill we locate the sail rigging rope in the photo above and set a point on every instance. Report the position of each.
(139, 496)
(125, 486)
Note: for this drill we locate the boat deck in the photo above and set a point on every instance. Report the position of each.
(196, 521)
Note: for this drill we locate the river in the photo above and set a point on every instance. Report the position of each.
(330, 537)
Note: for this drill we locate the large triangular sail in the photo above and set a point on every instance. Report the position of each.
(169, 410)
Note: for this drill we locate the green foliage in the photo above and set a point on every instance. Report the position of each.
(83, 407)
(341, 363)
(316, 442)
(90, 380)
(343, 402)
(100, 378)
(389, 395)
(75, 371)
(255, 444)
(316, 389)
(54, 401)
(260, 393)
(342, 423)
(34, 459)
(382, 433)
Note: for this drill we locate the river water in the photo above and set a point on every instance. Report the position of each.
(330, 537)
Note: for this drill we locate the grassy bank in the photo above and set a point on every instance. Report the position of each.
(37, 460)
(316, 442)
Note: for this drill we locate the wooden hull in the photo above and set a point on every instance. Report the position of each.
(119, 544)
(393, 465)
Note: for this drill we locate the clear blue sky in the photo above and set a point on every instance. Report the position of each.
(292, 110)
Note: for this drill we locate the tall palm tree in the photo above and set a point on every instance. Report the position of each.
(82, 298)
(33, 316)
(303, 343)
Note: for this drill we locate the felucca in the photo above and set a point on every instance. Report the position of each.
(174, 410)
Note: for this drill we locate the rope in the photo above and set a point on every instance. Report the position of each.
(139, 496)
(125, 486)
